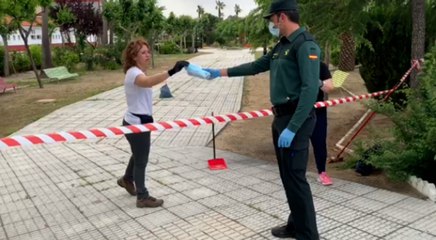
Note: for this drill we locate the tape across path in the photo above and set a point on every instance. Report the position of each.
(111, 132)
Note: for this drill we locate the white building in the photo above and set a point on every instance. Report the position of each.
(16, 43)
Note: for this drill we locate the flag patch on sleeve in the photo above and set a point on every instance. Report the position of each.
(313, 57)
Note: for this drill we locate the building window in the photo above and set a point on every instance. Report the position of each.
(38, 36)
(32, 37)
(13, 37)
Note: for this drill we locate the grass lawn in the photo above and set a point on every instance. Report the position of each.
(22, 108)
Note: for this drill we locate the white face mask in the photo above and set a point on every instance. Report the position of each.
(273, 30)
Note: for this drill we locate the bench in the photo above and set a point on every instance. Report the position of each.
(6, 86)
(59, 73)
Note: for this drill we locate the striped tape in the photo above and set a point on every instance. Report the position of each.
(111, 132)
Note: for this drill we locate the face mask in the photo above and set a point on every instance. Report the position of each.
(273, 30)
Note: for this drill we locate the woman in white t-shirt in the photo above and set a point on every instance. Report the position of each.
(139, 96)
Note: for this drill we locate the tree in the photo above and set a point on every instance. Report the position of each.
(105, 27)
(200, 11)
(207, 26)
(237, 10)
(86, 21)
(220, 6)
(5, 29)
(230, 30)
(338, 22)
(418, 36)
(21, 11)
(46, 50)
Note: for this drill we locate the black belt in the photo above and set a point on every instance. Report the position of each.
(284, 109)
(144, 118)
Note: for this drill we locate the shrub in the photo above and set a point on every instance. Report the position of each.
(169, 47)
(65, 57)
(384, 64)
(36, 51)
(412, 150)
(107, 57)
(21, 62)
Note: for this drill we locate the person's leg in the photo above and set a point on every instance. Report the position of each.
(319, 143)
(319, 138)
(126, 181)
(140, 146)
(292, 164)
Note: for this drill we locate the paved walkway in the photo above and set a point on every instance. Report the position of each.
(69, 191)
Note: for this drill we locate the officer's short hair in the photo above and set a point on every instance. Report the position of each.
(292, 15)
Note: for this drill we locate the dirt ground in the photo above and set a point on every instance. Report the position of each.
(23, 107)
(253, 137)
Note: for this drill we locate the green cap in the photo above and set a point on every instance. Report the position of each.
(280, 6)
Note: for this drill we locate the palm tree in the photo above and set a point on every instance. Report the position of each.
(418, 35)
(220, 6)
(200, 11)
(237, 10)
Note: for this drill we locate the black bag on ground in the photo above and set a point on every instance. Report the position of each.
(362, 166)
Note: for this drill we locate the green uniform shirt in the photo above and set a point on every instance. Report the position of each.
(293, 75)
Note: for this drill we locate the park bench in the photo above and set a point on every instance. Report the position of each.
(6, 86)
(59, 73)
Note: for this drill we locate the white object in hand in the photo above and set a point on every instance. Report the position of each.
(197, 71)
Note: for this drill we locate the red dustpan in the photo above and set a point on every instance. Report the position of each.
(216, 163)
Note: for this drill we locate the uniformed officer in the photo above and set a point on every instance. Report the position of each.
(294, 82)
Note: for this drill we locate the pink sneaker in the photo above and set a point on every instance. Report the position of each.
(324, 179)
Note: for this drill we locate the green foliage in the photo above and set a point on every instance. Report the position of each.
(36, 51)
(389, 57)
(65, 57)
(108, 57)
(21, 62)
(412, 151)
(229, 31)
(169, 47)
(327, 20)
(257, 29)
(207, 26)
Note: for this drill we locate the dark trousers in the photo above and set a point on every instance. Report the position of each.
(292, 165)
(318, 139)
(135, 171)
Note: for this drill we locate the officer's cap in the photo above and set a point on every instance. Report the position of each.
(281, 6)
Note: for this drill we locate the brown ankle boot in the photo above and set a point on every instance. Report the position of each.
(128, 185)
(149, 202)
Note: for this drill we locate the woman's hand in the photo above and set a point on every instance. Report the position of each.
(178, 67)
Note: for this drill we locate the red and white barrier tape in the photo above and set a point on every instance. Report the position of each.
(72, 136)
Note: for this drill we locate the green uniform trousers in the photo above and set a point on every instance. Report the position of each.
(292, 165)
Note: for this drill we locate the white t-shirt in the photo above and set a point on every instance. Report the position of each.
(139, 99)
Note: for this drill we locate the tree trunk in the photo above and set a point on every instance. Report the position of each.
(347, 55)
(104, 27)
(418, 36)
(327, 54)
(6, 55)
(152, 49)
(111, 34)
(46, 51)
(32, 61)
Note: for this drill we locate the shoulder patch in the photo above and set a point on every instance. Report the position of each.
(313, 57)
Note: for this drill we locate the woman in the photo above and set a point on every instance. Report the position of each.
(139, 96)
(319, 135)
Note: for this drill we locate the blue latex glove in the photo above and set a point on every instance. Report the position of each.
(197, 71)
(214, 73)
(286, 138)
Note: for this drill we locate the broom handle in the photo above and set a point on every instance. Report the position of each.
(213, 139)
